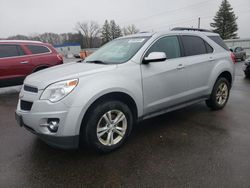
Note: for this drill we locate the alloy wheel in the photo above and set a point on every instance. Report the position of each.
(111, 127)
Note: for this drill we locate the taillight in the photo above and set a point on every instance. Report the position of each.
(60, 57)
(233, 57)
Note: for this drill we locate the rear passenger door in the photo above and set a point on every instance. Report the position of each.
(14, 64)
(199, 64)
(165, 82)
(38, 55)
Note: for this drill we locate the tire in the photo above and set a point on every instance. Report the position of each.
(39, 69)
(102, 118)
(247, 74)
(219, 95)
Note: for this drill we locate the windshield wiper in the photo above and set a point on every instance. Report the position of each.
(97, 62)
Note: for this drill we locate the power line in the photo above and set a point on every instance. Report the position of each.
(164, 12)
(174, 23)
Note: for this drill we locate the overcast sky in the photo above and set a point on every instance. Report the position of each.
(29, 17)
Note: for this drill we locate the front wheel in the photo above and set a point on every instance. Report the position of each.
(219, 95)
(108, 126)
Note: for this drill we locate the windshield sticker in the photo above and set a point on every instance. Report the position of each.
(136, 40)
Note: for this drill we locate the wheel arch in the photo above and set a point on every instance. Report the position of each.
(40, 67)
(228, 76)
(116, 95)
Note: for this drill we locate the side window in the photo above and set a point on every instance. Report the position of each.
(193, 45)
(238, 49)
(35, 49)
(10, 50)
(169, 45)
(209, 48)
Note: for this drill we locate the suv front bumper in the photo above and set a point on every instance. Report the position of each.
(63, 142)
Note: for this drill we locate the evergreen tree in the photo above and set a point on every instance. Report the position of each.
(106, 32)
(225, 21)
(115, 30)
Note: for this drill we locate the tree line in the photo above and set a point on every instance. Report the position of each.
(92, 35)
(88, 34)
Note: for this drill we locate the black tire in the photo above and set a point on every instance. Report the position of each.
(247, 74)
(212, 102)
(95, 115)
(39, 69)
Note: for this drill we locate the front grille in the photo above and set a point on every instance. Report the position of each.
(30, 89)
(26, 105)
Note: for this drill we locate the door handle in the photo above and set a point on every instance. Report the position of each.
(211, 59)
(180, 66)
(24, 62)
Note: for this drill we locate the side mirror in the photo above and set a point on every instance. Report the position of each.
(155, 57)
(231, 50)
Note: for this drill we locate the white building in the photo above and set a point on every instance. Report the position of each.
(68, 49)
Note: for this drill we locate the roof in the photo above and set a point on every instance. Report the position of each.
(191, 29)
(20, 41)
(178, 30)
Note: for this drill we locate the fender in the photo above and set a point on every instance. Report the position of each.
(219, 68)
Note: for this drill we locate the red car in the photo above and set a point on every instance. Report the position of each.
(21, 58)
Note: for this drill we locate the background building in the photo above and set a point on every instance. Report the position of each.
(244, 43)
(68, 49)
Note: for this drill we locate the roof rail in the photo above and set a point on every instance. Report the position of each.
(26, 41)
(190, 29)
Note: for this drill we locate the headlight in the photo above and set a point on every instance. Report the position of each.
(57, 91)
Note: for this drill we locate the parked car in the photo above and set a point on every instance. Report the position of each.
(132, 78)
(21, 58)
(246, 68)
(239, 53)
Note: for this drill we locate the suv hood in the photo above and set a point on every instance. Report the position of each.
(51, 75)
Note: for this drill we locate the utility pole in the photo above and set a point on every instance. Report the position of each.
(199, 22)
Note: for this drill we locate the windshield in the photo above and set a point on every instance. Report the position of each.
(117, 51)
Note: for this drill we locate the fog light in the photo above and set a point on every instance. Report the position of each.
(53, 125)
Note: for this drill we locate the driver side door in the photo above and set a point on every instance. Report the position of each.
(165, 82)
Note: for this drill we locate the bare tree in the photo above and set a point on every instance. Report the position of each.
(129, 30)
(90, 31)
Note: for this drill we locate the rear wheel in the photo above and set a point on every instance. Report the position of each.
(39, 68)
(108, 126)
(247, 74)
(220, 94)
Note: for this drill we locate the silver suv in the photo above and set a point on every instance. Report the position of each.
(97, 101)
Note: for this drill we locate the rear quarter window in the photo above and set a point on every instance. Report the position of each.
(36, 49)
(219, 41)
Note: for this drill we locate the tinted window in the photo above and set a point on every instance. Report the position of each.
(193, 45)
(238, 49)
(38, 49)
(209, 48)
(8, 50)
(169, 45)
(219, 41)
